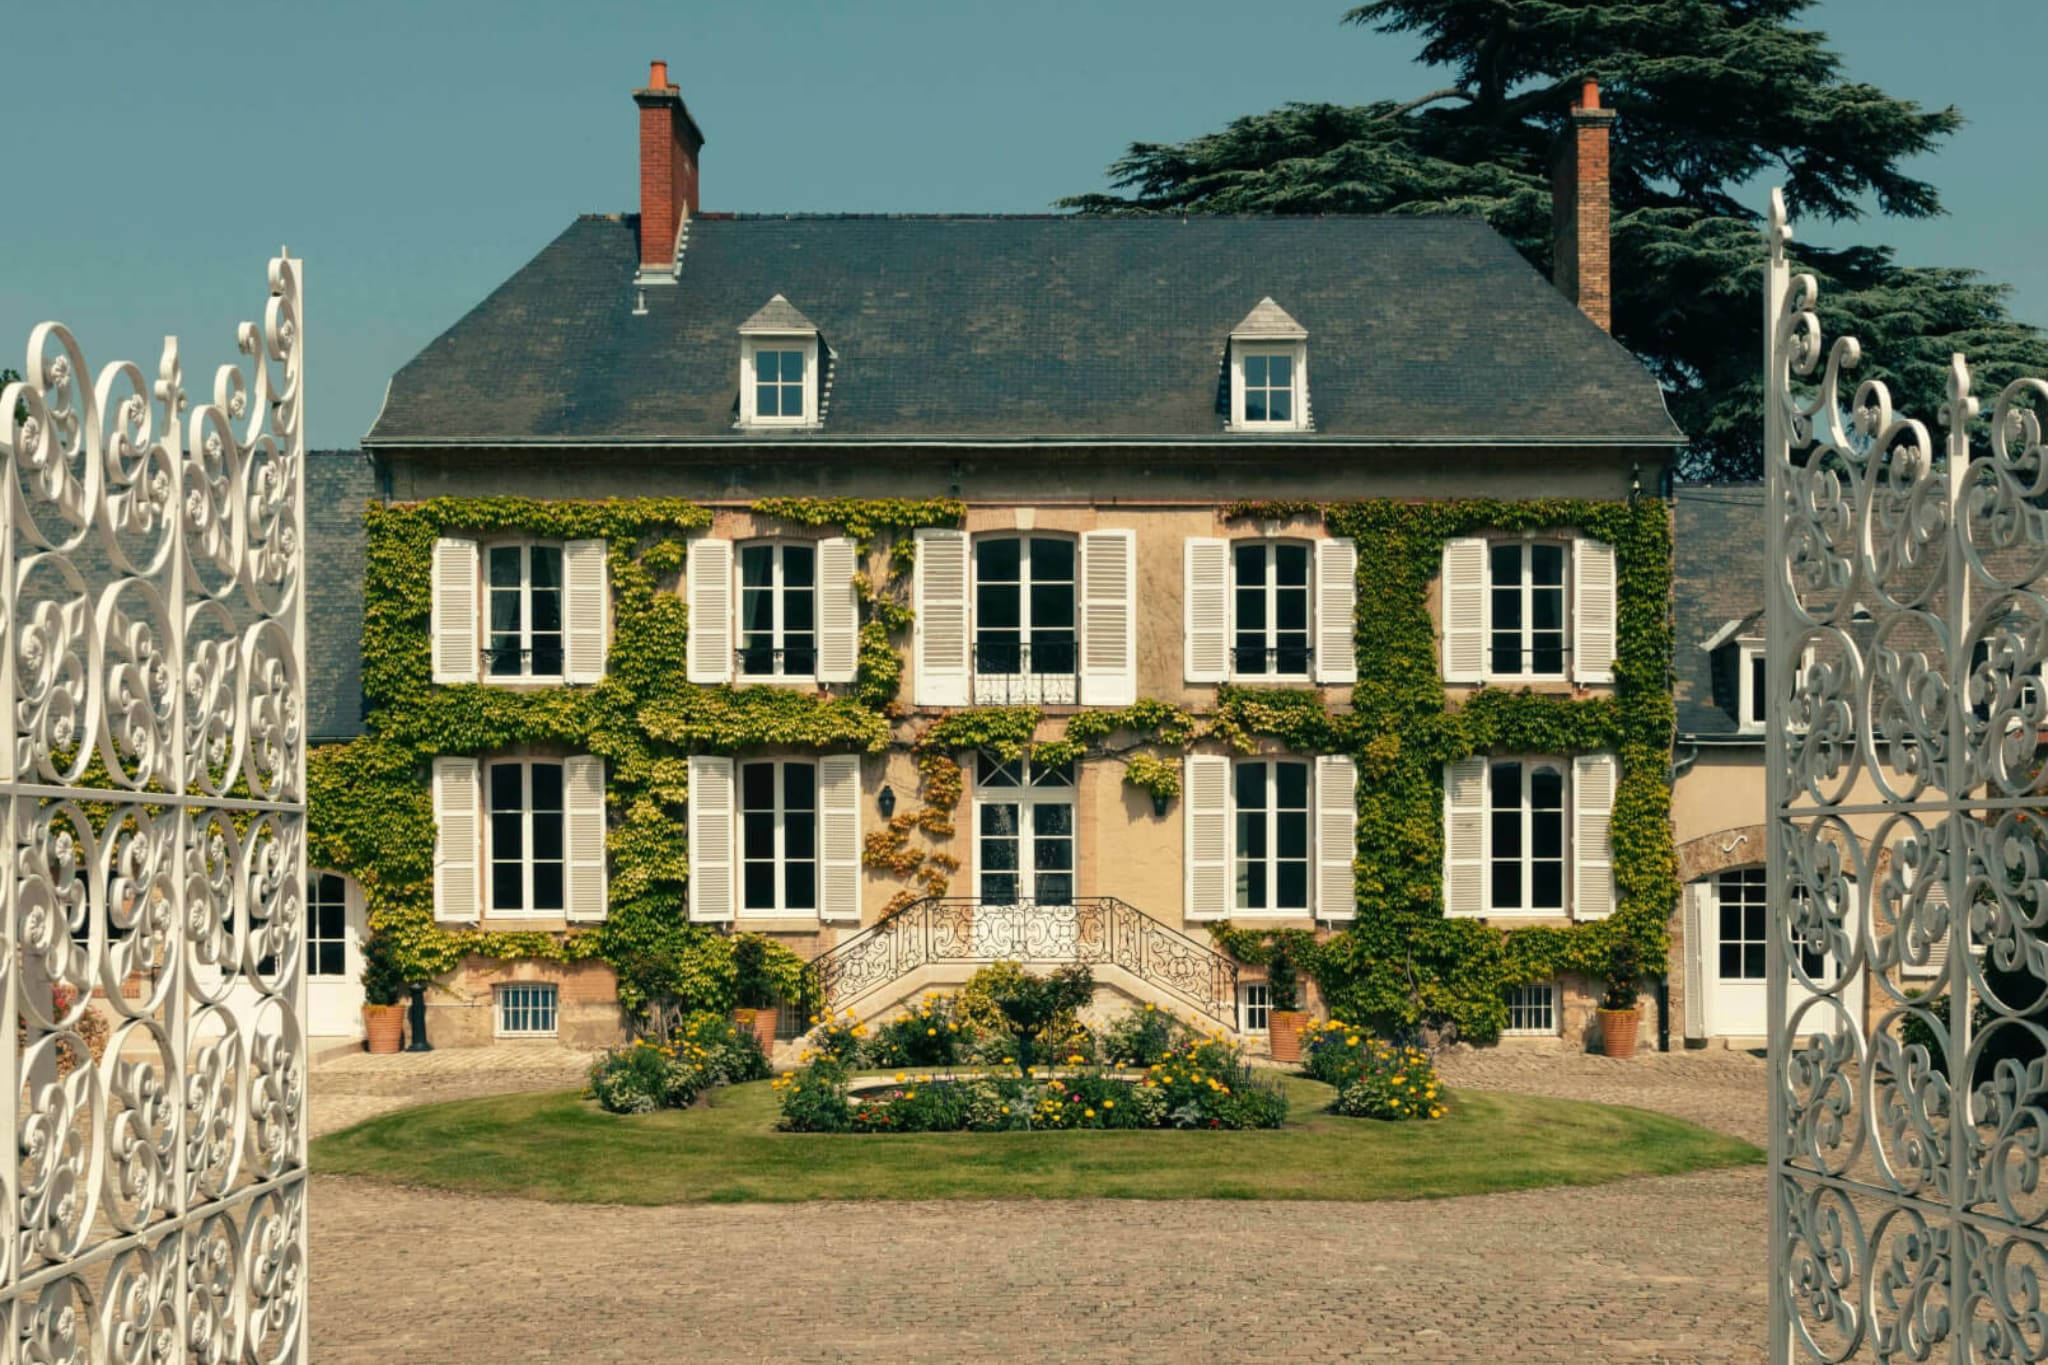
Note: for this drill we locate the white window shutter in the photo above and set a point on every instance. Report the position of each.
(1205, 807)
(1594, 777)
(707, 588)
(1109, 618)
(939, 635)
(1934, 905)
(839, 837)
(586, 617)
(458, 794)
(1699, 913)
(1205, 609)
(1465, 836)
(454, 624)
(1593, 612)
(711, 838)
(1336, 837)
(583, 797)
(1336, 610)
(838, 612)
(1464, 608)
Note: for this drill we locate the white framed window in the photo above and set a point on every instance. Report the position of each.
(1271, 800)
(778, 611)
(1268, 371)
(1525, 818)
(1269, 599)
(523, 622)
(1532, 1010)
(1752, 693)
(525, 828)
(1254, 1007)
(1026, 647)
(779, 381)
(1525, 609)
(778, 837)
(326, 925)
(1023, 831)
(527, 1009)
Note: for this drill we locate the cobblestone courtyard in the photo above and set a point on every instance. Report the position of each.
(1644, 1270)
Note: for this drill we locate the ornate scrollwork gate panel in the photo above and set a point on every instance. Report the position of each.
(152, 673)
(1908, 609)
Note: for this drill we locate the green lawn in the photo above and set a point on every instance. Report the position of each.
(559, 1146)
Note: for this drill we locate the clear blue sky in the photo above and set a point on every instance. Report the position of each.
(416, 153)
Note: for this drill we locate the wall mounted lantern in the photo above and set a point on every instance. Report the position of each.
(887, 801)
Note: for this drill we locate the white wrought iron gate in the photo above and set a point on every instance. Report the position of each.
(1908, 625)
(152, 679)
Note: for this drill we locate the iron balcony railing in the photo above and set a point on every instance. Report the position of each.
(760, 661)
(510, 661)
(1276, 661)
(1026, 673)
(1098, 931)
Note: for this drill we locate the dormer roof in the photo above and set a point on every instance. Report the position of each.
(1268, 322)
(777, 317)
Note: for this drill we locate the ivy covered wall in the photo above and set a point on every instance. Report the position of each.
(1401, 962)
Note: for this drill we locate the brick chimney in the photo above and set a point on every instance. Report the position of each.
(1580, 212)
(669, 143)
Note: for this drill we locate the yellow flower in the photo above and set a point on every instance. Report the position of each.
(1009, 1061)
(931, 1033)
(1351, 1041)
(1150, 1008)
(1006, 1109)
(1109, 1104)
(899, 1078)
(910, 1094)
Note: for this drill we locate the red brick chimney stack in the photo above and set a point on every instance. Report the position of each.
(1580, 211)
(669, 143)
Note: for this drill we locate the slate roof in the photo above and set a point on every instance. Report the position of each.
(339, 483)
(1061, 328)
(1718, 577)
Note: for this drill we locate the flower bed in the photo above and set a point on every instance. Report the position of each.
(704, 1050)
(1204, 1084)
(1373, 1079)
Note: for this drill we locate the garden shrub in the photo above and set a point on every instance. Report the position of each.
(1145, 1035)
(704, 1050)
(926, 1034)
(1373, 1079)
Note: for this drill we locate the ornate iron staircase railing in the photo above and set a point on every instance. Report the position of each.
(1099, 931)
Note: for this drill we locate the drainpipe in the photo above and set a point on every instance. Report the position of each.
(1663, 1012)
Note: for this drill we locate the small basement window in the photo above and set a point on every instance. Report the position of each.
(1254, 1007)
(526, 1010)
(1532, 1010)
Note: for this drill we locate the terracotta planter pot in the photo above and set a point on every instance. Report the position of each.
(384, 1027)
(1618, 1032)
(1283, 1029)
(762, 1022)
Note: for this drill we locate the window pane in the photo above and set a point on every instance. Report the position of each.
(546, 567)
(757, 565)
(1547, 609)
(1546, 789)
(1731, 961)
(329, 959)
(1290, 565)
(760, 886)
(505, 566)
(547, 611)
(999, 820)
(1280, 370)
(1290, 611)
(1546, 886)
(1052, 606)
(757, 786)
(1546, 564)
(799, 608)
(1731, 922)
(792, 366)
(1053, 818)
(800, 834)
(1280, 405)
(766, 403)
(1255, 405)
(1546, 834)
(1255, 370)
(1052, 561)
(547, 886)
(547, 836)
(1290, 782)
(800, 886)
(1507, 884)
(799, 786)
(999, 888)
(1291, 834)
(792, 400)
(507, 887)
(765, 365)
(997, 559)
(547, 786)
(996, 607)
(996, 772)
(757, 834)
(1251, 786)
(1250, 559)
(1054, 888)
(1292, 887)
(505, 786)
(1753, 961)
(1753, 923)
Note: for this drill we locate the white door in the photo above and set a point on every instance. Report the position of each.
(334, 957)
(1023, 856)
(1735, 934)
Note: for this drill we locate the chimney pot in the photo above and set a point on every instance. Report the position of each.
(657, 75)
(1589, 97)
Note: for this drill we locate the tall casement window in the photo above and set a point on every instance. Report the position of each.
(1025, 645)
(1525, 589)
(1525, 810)
(778, 837)
(778, 624)
(326, 925)
(519, 611)
(1024, 831)
(523, 808)
(1529, 835)
(1270, 609)
(524, 585)
(1520, 608)
(1271, 802)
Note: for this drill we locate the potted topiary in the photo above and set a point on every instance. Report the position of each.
(1284, 1015)
(753, 991)
(383, 985)
(1618, 1007)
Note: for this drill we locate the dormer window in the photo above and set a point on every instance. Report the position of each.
(1269, 371)
(780, 354)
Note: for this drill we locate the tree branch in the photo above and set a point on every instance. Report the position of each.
(1449, 92)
